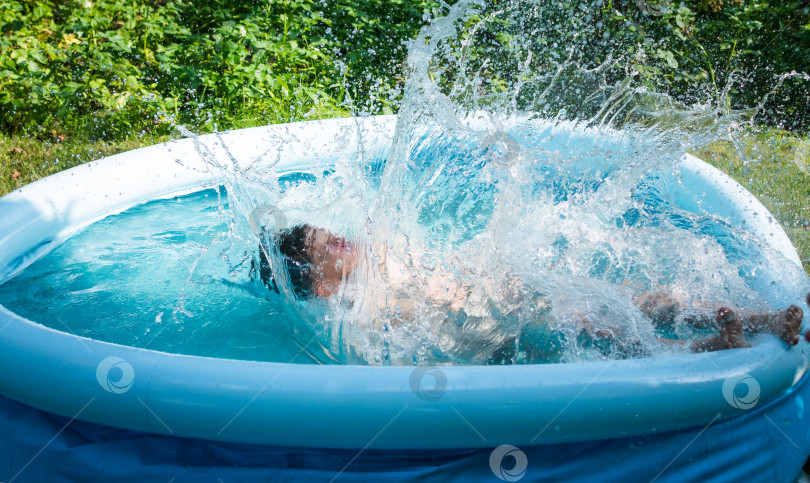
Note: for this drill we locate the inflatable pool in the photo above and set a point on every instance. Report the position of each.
(77, 408)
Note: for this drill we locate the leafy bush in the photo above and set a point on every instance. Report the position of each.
(549, 55)
(742, 53)
(108, 68)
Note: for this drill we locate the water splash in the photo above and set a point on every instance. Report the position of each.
(520, 178)
(520, 201)
(522, 183)
(521, 211)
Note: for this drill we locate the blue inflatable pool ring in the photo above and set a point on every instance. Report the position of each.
(76, 409)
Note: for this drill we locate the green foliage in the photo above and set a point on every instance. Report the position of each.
(572, 55)
(737, 53)
(108, 68)
(775, 166)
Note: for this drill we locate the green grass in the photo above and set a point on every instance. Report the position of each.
(775, 166)
(25, 159)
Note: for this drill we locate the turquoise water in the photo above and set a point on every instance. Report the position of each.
(564, 202)
(177, 275)
(514, 175)
(165, 275)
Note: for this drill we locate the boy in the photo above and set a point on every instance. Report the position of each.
(319, 264)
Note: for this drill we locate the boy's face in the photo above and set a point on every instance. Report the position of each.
(333, 259)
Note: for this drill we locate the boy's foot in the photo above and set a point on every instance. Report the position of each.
(788, 324)
(784, 324)
(731, 328)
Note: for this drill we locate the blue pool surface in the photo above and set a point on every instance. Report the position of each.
(165, 275)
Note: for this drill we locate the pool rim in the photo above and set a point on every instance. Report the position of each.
(345, 406)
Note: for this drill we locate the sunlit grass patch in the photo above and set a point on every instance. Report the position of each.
(26, 159)
(775, 166)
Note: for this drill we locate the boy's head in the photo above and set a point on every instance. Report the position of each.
(316, 261)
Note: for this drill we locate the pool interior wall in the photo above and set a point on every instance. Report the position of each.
(357, 411)
(165, 275)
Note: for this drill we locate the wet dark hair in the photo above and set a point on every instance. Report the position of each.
(292, 245)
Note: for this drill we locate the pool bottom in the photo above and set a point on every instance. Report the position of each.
(769, 443)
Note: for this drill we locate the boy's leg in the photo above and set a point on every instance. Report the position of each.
(663, 307)
(730, 336)
(785, 324)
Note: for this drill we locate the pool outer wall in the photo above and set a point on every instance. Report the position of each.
(350, 406)
(768, 443)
